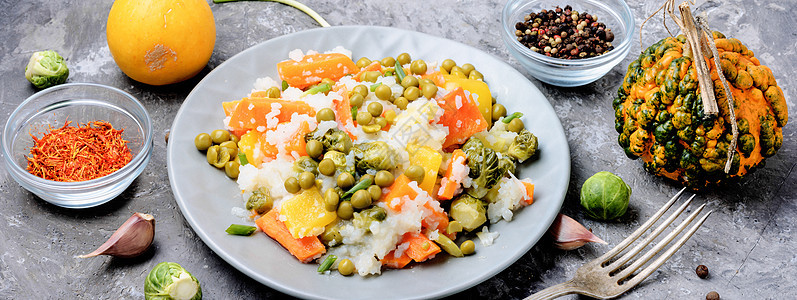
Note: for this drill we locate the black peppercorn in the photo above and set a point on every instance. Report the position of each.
(702, 271)
(564, 33)
(713, 296)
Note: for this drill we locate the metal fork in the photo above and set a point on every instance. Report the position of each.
(603, 278)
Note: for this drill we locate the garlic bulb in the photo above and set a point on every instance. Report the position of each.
(131, 239)
(569, 234)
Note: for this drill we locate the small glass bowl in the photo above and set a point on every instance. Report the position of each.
(79, 103)
(570, 72)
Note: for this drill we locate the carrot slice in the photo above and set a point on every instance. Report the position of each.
(251, 112)
(420, 247)
(529, 196)
(437, 220)
(398, 190)
(448, 186)
(343, 113)
(315, 67)
(391, 261)
(436, 77)
(305, 249)
(462, 117)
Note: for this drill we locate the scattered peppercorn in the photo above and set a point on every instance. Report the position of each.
(702, 271)
(713, 296)
(564, 33)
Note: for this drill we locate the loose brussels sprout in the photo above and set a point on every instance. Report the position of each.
(524, 146)
(375, 156)
(169, 281)
(506, 164)
(364, 218)
(340, 161)
(605, 196)
(485, 168)
(46, 69)
(333, 139)
(468, 211)
(305, 164)
(260, 201)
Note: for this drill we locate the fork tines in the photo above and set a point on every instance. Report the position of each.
(625, 274)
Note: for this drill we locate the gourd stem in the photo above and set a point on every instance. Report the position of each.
(694, 39)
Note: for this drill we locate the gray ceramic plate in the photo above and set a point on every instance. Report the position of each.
(206, 196)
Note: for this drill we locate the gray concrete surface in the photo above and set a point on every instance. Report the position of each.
(747, 243)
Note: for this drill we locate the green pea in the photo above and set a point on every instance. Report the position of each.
(217, 156)
(229, 145)
(361, 199)
(404, 58)
(225, 155)
(203, 141)
(447, 64)
(292, 185)
(383, 178)
(331, 199)
(476, 75)
(458, 73)
(415, 173)
(388, 62)
(467, 247)
(345, 180)
(375, 109)
(314, 148)
(220, 136)
(360, 89)
(467, 68)
(499, 111)
(231, 169)
(383, 92)
(306, 180)
(325, 114)
(363, 62)
(409, 81)
(375, 191)
(364, 118)
(331, 233)
(371, 76)
(429, 90)
(326, 167)
(273, 92)
(418, 67)
(345, 210)
(356, 100)
(345, 267)
(412, 93)
(401, 103)
(516, 125)
(382, 122)
(371, 128)
(235, 138)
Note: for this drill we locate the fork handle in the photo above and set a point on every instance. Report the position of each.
(555, 291)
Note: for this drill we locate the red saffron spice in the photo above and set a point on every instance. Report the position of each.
(78, 153)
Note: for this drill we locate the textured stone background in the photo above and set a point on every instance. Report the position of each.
(747, 243)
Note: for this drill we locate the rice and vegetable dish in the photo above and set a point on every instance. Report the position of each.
(366, 165)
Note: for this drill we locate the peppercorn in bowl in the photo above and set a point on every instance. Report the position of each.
(567, 43)
(77, 145)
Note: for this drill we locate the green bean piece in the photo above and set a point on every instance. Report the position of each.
(364, 183)
(374, 86)
(318, 88)
(512, 116)
(400, 71)
(327, 263)
(242, 159)
(236, 229)
(285, 85)
(448, 245)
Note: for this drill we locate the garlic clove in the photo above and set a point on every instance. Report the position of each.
(569, 234)
(131, 239)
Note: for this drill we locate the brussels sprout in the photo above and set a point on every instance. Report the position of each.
(333, 139)
(169, 281)
(364, 218)
(524, 146)
(468, 211)
(260, 201)
(46, 69)
(305, 164)
(375, 156)
(340, 161)
(605, 196)
(506, 164)
(485, 168)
